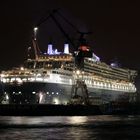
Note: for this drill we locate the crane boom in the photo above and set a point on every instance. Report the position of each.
(82, 49)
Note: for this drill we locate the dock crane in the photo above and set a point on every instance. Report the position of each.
(80, 51)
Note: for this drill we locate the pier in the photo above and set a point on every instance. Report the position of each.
(68, 110)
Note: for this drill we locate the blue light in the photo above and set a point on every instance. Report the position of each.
(95, 57)
(50, 51)
(66, 48)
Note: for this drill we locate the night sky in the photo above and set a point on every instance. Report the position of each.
(115, 28)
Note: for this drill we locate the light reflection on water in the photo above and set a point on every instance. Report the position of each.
(43, 120)
(77, 120)
(76, 127)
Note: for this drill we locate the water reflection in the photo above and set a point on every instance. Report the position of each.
(69, 120)
(75, 128)
(77, 119)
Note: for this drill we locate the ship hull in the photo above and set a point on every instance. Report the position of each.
(54, 93)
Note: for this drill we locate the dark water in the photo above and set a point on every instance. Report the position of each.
(70, 128)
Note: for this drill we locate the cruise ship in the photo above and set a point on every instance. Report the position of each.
(52, 77)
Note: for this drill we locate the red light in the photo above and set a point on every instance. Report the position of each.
(84, 48)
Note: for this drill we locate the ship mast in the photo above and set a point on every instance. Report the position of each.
(34, 41)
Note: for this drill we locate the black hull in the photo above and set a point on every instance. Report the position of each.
(53, 93)
(68, 110)
(48, 110)
(31, 93)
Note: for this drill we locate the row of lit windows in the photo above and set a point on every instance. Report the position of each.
(56, 57)
(107, 73)
(61, 73)
(48, 93)
(105, 66)
(107, 85)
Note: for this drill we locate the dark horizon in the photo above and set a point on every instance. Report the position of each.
(115, 27)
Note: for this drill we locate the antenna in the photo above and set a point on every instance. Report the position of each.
(35, 43)
(35, 49)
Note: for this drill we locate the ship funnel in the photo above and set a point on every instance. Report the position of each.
(66, 48)
(50, 48)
